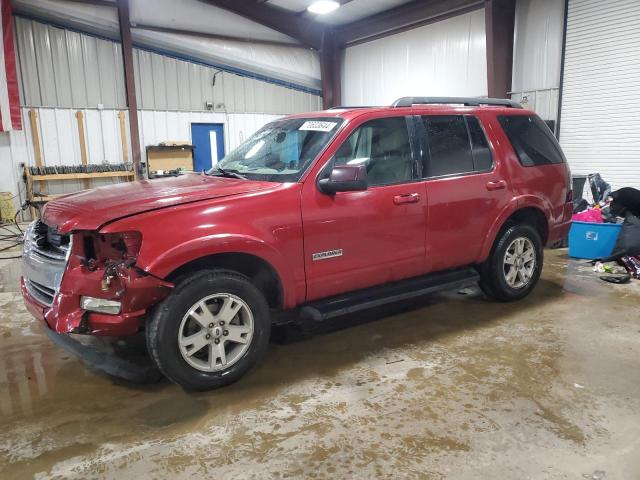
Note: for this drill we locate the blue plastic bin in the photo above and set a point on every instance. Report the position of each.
(592, 240)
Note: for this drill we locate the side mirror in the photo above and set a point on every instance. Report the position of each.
(344, 178)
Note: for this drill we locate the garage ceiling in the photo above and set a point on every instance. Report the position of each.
(350, 11)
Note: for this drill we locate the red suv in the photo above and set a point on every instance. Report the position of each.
(320, 214)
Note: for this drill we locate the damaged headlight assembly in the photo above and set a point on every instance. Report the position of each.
(100, 305)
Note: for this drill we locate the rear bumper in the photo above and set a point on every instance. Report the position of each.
(558, 232)
(66, 316)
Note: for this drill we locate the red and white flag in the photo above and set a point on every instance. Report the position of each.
(9, 96)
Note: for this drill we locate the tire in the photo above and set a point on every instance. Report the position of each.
(497, 278)
(183, 337)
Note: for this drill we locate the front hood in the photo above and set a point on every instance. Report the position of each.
(91, 209)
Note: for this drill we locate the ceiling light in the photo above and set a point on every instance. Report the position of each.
(322, 7)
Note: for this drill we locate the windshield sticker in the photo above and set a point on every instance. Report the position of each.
(317, 126)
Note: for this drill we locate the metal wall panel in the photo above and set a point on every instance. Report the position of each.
(537, 45)
(28, 74)
(445, 58)
(60, 68)
(601, 90)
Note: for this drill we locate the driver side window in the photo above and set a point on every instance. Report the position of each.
(381, 145)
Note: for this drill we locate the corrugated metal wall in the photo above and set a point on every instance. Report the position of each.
(165, 83)
(61, 68)
(444, 58)
(600, 122)
(537, 53)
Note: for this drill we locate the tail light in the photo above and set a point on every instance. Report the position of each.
(569, 198)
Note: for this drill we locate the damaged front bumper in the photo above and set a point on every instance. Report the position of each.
(66, 315)
(56, 278)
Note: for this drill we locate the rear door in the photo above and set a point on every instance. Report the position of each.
(465, 190)
(354, 240)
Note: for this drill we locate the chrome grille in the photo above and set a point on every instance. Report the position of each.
(44, 260)
(40, 292)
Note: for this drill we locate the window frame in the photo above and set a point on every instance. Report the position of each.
(412, 134)
(423, 141)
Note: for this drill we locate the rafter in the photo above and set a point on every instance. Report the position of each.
(305, 31)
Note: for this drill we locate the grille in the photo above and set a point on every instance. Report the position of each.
(40, 292)
(44, 261)
(48, 243)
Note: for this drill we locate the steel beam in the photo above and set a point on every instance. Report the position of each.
(305, 31)
(499, 27)
(330, 56)
(130, 83)
(410, 15)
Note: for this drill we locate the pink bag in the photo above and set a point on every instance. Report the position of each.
(593, 215)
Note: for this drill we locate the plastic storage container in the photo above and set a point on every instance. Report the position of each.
(592, 240)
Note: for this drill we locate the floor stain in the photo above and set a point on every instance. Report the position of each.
(449, 386)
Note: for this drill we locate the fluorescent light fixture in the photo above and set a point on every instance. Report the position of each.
(100, 305)
(322, 7)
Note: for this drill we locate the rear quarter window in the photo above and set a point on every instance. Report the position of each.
(532, 140)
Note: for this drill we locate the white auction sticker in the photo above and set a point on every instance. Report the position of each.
(318, 126)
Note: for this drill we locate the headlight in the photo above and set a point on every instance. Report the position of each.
(100, 305)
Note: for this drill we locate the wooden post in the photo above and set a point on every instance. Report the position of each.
(83, 146)
(123, 138)
(35, 137)
(37, 151)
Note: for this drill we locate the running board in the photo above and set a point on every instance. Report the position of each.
(388, 293)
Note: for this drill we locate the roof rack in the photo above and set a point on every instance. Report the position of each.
(348, 107)
(467, 101)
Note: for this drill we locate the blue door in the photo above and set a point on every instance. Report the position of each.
(208, 140)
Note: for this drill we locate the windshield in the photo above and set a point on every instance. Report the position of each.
(280, 151)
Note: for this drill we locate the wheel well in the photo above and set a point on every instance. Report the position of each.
(260, 272)
(531, 216)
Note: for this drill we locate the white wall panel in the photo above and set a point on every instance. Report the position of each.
(537, 46)
(64, 69)
(600, 122)
(444, 58)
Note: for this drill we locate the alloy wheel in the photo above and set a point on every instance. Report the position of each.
(519, 262)
(215, 332)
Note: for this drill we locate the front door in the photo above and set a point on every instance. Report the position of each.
(208, 140)
(355, 240)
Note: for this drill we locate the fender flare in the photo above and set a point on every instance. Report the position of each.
(197, 248)
(517, 203)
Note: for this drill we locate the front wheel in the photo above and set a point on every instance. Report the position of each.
(212, 328)
(514, 266)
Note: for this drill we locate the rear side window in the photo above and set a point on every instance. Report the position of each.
(455, 144)
(532, 140)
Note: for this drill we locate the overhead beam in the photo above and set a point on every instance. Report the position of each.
(305, 31)
(129, 82)
(499, 28)
(213, 36)
(404, 17)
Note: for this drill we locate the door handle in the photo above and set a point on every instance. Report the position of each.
(496, 185)
(406, 198)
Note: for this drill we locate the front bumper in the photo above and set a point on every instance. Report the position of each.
(66, 316)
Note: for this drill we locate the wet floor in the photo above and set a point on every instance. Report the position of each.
(452, 386)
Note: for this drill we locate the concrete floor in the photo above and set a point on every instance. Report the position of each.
(458, 387)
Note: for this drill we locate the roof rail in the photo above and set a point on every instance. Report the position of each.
(468, 101)
(349, 107)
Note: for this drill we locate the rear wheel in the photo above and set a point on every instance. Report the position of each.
(210, 330)
(515, 264)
